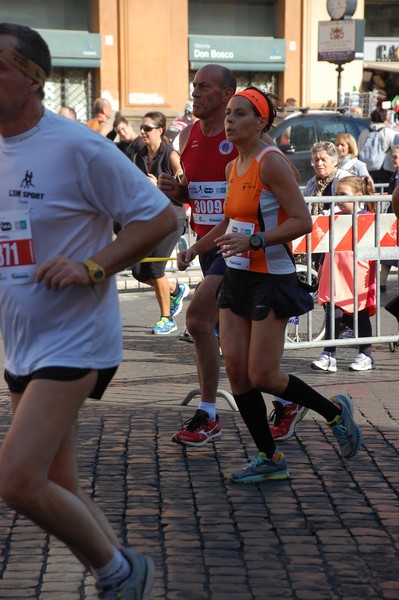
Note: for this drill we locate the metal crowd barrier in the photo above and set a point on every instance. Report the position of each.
(370, 237)
(376, 238)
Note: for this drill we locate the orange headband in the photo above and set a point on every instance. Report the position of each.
(23, 64)
(257, 100)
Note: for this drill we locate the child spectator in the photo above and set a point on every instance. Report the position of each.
(344, 293)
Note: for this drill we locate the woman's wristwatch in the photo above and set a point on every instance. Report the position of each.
(257, 241)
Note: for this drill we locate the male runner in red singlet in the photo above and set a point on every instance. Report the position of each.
(205, 152)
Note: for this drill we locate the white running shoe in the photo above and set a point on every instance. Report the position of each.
(362, 363)
(139, 583)
(326, 362)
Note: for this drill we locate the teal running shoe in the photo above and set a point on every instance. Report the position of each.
(176, 302)
(164, 326)
(344, 427)
(261, 468)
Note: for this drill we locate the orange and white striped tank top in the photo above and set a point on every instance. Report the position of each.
(248, 201)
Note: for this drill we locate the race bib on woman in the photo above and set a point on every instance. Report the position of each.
(239, 261)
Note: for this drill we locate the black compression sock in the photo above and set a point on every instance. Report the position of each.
(301, 393)
(252, 408)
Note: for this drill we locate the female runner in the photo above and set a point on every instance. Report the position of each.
(264, 211)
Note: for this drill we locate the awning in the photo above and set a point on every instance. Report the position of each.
(73, 48)
(382, 65)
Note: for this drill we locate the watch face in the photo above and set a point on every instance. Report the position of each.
(337, 8)
(98, 274)
(255, 242)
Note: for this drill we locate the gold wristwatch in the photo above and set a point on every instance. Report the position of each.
(95, 271)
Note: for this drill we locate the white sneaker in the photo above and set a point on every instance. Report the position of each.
(326, 362)
(362, 363)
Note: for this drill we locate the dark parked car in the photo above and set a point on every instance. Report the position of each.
(297, 132)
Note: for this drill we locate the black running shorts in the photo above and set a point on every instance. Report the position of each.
(252, 295)
(212, 263)
(17, 384)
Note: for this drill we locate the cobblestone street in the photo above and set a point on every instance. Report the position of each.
(330, 532)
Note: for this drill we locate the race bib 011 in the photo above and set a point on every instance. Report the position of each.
(17, 261)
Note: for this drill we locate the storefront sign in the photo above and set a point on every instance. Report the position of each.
(237, 52)
(381, 49)
(341, 41)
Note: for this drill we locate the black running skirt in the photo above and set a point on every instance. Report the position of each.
(252, 295)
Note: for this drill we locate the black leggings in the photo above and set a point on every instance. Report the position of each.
(364, 326)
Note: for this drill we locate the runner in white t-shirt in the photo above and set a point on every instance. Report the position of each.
(62, 186)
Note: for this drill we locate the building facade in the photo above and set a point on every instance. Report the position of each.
(143, 55)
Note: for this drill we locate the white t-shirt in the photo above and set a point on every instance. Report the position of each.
(72, 183)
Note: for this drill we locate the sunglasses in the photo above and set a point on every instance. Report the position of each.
(148, 128)
(319, 146)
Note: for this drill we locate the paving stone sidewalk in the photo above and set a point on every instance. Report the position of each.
(330, 532)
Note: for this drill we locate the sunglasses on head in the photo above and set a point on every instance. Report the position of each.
(148, 128)
(320, 146)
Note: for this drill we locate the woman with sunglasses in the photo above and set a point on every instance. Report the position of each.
(157, 157)
(263, 211)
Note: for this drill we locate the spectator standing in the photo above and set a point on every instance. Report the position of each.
(59, 314)
(348, 155)
(68, 112)
(290, 103)
(129, 140)
(345, 295)
(264, 211)
(325, 160)
(129, 143)
(205, 152)
(156, 157)
(102, 113)
(375, 145)
(392, 185)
